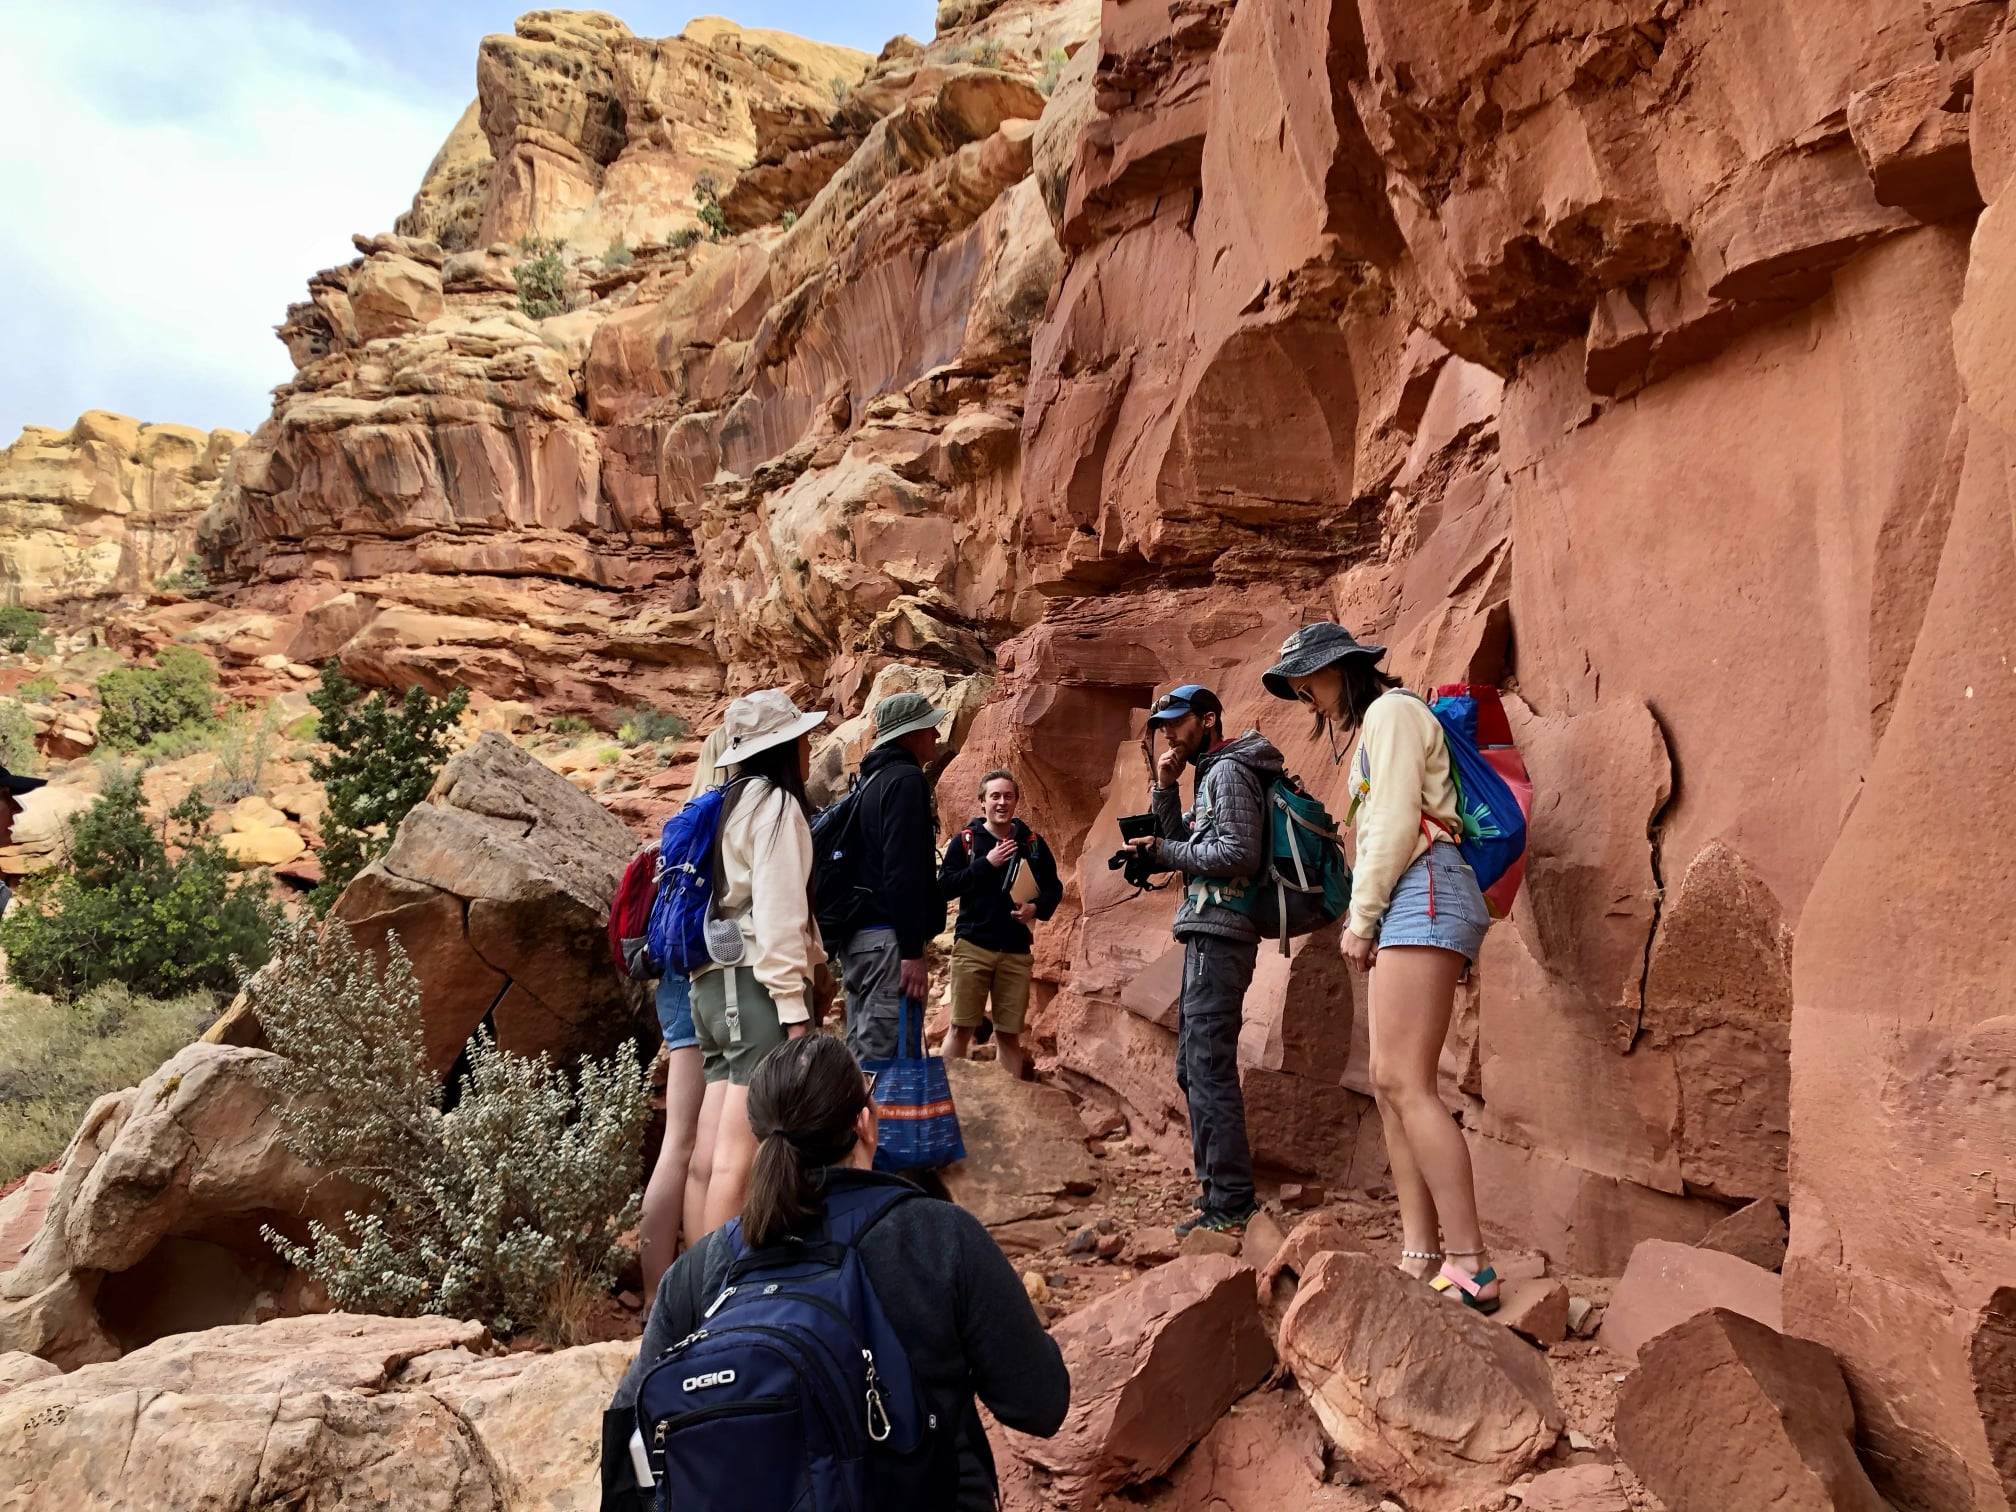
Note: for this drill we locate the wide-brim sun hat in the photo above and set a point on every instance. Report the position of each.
(1310, 649)
(757, 721)
(20, 786)
(903, 714)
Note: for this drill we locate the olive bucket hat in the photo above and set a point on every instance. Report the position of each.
(1310, 649)
(903, 714)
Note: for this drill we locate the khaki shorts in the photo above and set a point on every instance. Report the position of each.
(724, 1056)
(978, 974)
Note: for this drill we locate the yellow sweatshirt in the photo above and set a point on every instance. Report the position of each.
(1399, 772)
(766, 862)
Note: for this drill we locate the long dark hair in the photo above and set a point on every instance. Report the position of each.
(777, 765)
(1363, 684)
(803, 1101)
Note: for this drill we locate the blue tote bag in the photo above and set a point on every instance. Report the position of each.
(913, 1100)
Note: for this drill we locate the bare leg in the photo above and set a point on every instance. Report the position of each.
(1419, 1222)
(734, 1153)
(1013, 1060)
(665, 1194)
(1413, 997)
(958, 1043)
(700, 1169)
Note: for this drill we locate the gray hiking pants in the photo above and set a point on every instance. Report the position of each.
(870, 969)
(1216, 974)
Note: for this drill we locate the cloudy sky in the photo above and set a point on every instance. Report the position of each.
(171, 171)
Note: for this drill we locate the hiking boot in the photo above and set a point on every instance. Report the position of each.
(1195, 1220)
(1227, 1223)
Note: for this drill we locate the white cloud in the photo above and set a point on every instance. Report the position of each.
(169, 177)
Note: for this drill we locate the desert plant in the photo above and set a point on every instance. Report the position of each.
(618, 255)
(839, 88)
(307, 727)
(177, 693)
(788, 219)
(38, 689)
(505, 1209)
(1053, 71)
(20, 629)
(707, 203)
(17, 739)
(988, 54)
(122, 910)
(383, 758)
(243, 746)
(541, 278)
(191, 578)
(683, 238)
(647, 726)
(57, 1058)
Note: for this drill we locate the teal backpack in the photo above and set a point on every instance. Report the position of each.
(1304, 883)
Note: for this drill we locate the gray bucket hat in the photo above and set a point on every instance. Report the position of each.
(1310, 649)
(903, 714)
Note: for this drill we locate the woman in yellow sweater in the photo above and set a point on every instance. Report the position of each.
(1417, 915)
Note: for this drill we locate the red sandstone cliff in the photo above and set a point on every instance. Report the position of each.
(1650, 358)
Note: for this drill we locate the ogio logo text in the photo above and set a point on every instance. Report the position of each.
(712, 1378)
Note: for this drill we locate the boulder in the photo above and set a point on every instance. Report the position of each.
(1535, 1309)
(1266, 1452)
(1666, 1284)
(498, 887)
(263, 847)
(153, 1227)
(17, 1369)
(1422, 1395)
(1313, 1236)
(1153, 1366)
(1755, 1232)
(334, 1410)
(1725, 1412)
(1025, 1150)
(1574, 1488)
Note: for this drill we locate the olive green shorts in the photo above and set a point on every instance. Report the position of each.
(979, 974)
(731, 1050)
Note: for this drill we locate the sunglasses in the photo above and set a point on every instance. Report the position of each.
(1305, 696)
(868, 1083)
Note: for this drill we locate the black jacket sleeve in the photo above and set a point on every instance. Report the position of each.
(1017, 1368)
(673, 1314)
(916, 911)
(1049, 890)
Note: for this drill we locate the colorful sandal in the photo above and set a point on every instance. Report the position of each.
(1467, 1286)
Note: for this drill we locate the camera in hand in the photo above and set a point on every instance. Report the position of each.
(1137, 866)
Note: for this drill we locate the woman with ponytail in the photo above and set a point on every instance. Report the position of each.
(951, 1296)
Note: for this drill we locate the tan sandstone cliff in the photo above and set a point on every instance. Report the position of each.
(1648, 357)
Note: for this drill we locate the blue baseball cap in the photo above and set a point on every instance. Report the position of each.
(1191, 698)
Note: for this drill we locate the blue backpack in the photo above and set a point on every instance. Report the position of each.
(794, 1394)
(677, 933)
(1493, 791)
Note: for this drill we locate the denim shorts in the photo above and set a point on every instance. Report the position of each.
(675, 1011)
(1436, 902)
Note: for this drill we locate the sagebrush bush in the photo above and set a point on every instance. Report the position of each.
(541, 278)
(503, 1210)
(383, 758)
(20, 629)
(177, 694)
(192, 577)
(647, 726)
(683, 238)
(17, 738)
(120, 910)
(57, 1058)
(618, 255)
(39, 689)
(243, 747)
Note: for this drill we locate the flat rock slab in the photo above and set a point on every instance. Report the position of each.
(1153, 1366)
(1755, 1233)
(1574, 1488)
(1025, 1147)
(1666, 1284)
(1425, 1397)
(1723, 1412)
(1536, 1310)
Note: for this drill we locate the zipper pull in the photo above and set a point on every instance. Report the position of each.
(726, 1293)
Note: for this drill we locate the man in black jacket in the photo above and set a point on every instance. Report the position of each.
(1004, 877)
(884, 958)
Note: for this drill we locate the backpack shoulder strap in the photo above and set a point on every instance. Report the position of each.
(848, 1221)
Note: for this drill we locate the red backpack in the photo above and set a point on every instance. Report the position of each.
(630, 915)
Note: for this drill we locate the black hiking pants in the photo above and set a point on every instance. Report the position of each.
(1216, 974)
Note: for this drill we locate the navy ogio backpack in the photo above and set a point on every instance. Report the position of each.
(677, 933)
(793, 1394)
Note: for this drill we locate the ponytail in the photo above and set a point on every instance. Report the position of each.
(803, 1101)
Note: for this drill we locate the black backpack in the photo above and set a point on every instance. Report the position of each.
(841, 900)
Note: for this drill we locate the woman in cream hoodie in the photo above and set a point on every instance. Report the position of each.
(757, 994)
(1417, 913)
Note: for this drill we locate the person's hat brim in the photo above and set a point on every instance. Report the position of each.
(805, 723)
(1170, 715)
(929, 720)
(1313, 660)
(21, 785)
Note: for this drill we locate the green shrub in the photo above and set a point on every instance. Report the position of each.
(307, 727)
(121, 911)
(683, 238)
(20, 629)
(839, 87)
(243, 746)
(618, 255)
(988, 54)
(177, 693)
(707, 200)
(191, 578)
(647, 726)
(788, 219)
(569, 725)
(383, 758)
(541, 278)
(1053, 71)
(57, 1058)
(507, 1209)
(41, 689)
(17, 739)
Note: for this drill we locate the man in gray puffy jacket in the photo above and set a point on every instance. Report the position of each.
(1219, 846)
